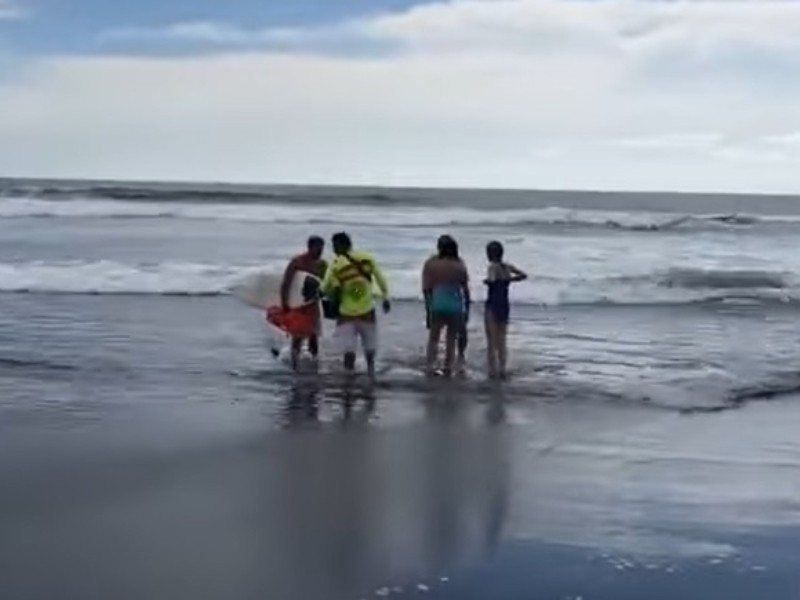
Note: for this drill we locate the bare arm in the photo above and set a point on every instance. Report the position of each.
(426, 277)
(516, 274)
(427, 287)
(380, 279)
(465, 289)
(491, 274)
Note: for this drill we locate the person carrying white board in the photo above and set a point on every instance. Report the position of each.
(312, 262)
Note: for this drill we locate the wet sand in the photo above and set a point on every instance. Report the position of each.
(417, 495)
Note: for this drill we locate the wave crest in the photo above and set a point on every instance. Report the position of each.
(673, 287)
(722, 279)
(348, 213)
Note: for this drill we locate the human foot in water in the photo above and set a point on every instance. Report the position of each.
(461, 366)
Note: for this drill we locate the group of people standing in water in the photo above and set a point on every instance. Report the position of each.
(347, 296)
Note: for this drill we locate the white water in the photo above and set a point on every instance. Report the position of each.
(187, 278)
(574, 256)
(363, 214)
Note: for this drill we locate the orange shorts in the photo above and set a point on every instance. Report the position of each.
(297, 322)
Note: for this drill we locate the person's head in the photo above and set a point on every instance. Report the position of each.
(341, 243)
(447, 247)
(316, 245)
(494, 252)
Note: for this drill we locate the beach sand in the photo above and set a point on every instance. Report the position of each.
(421, 494)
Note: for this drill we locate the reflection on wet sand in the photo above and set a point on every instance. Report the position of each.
(315, 511)
(355, 505)
(351, 398)
(323, 513)
(302, 404)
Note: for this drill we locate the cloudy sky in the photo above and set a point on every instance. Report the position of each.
(599, 94)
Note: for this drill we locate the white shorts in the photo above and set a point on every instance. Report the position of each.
(349, 332)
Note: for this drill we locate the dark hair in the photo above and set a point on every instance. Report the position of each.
(315, 242)
(495, 251)
(447, 247)
(341, 241)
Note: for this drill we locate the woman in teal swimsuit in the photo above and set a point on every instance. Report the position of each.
(445, 285)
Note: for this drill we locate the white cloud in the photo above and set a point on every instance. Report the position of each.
(210, 32)
(227, 35)
(612, 25)
(750, 154)
(671, 141)
(550, 93)
(791, 140)
(534, 25)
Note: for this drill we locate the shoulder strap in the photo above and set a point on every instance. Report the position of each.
(358, 267)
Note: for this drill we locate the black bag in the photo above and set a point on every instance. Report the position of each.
(330, 306)
(331, 302)
(310, 291)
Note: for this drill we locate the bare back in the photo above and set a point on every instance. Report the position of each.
(444, 272)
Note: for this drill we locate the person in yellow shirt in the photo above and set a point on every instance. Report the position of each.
(351, 278)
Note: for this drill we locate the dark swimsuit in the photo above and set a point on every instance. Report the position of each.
(497, 304)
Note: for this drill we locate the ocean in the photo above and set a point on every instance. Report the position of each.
(645, 445)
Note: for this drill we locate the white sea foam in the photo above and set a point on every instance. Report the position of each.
(359, 214)
(110, 277)
(188, 278)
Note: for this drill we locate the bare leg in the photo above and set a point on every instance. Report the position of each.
(313, 350)
(450, 349)
(463, 340)
(434, 334)
(502, 349)
(346, 333)
(297, 345)
(491, 345)
(350, 362)
(369, 355)
(368, 334)
(313, 346)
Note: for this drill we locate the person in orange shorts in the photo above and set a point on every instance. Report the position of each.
(302, 323)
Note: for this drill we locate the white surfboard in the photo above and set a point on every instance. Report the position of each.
(262, 290)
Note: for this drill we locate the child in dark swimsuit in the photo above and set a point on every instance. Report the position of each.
(499, 278)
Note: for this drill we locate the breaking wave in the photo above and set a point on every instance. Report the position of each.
(406, 216)
(725, 279)
(672, 287)
(203, 193)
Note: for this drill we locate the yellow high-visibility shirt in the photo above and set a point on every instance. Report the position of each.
(356, 292)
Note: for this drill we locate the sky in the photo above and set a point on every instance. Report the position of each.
(683, 95)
